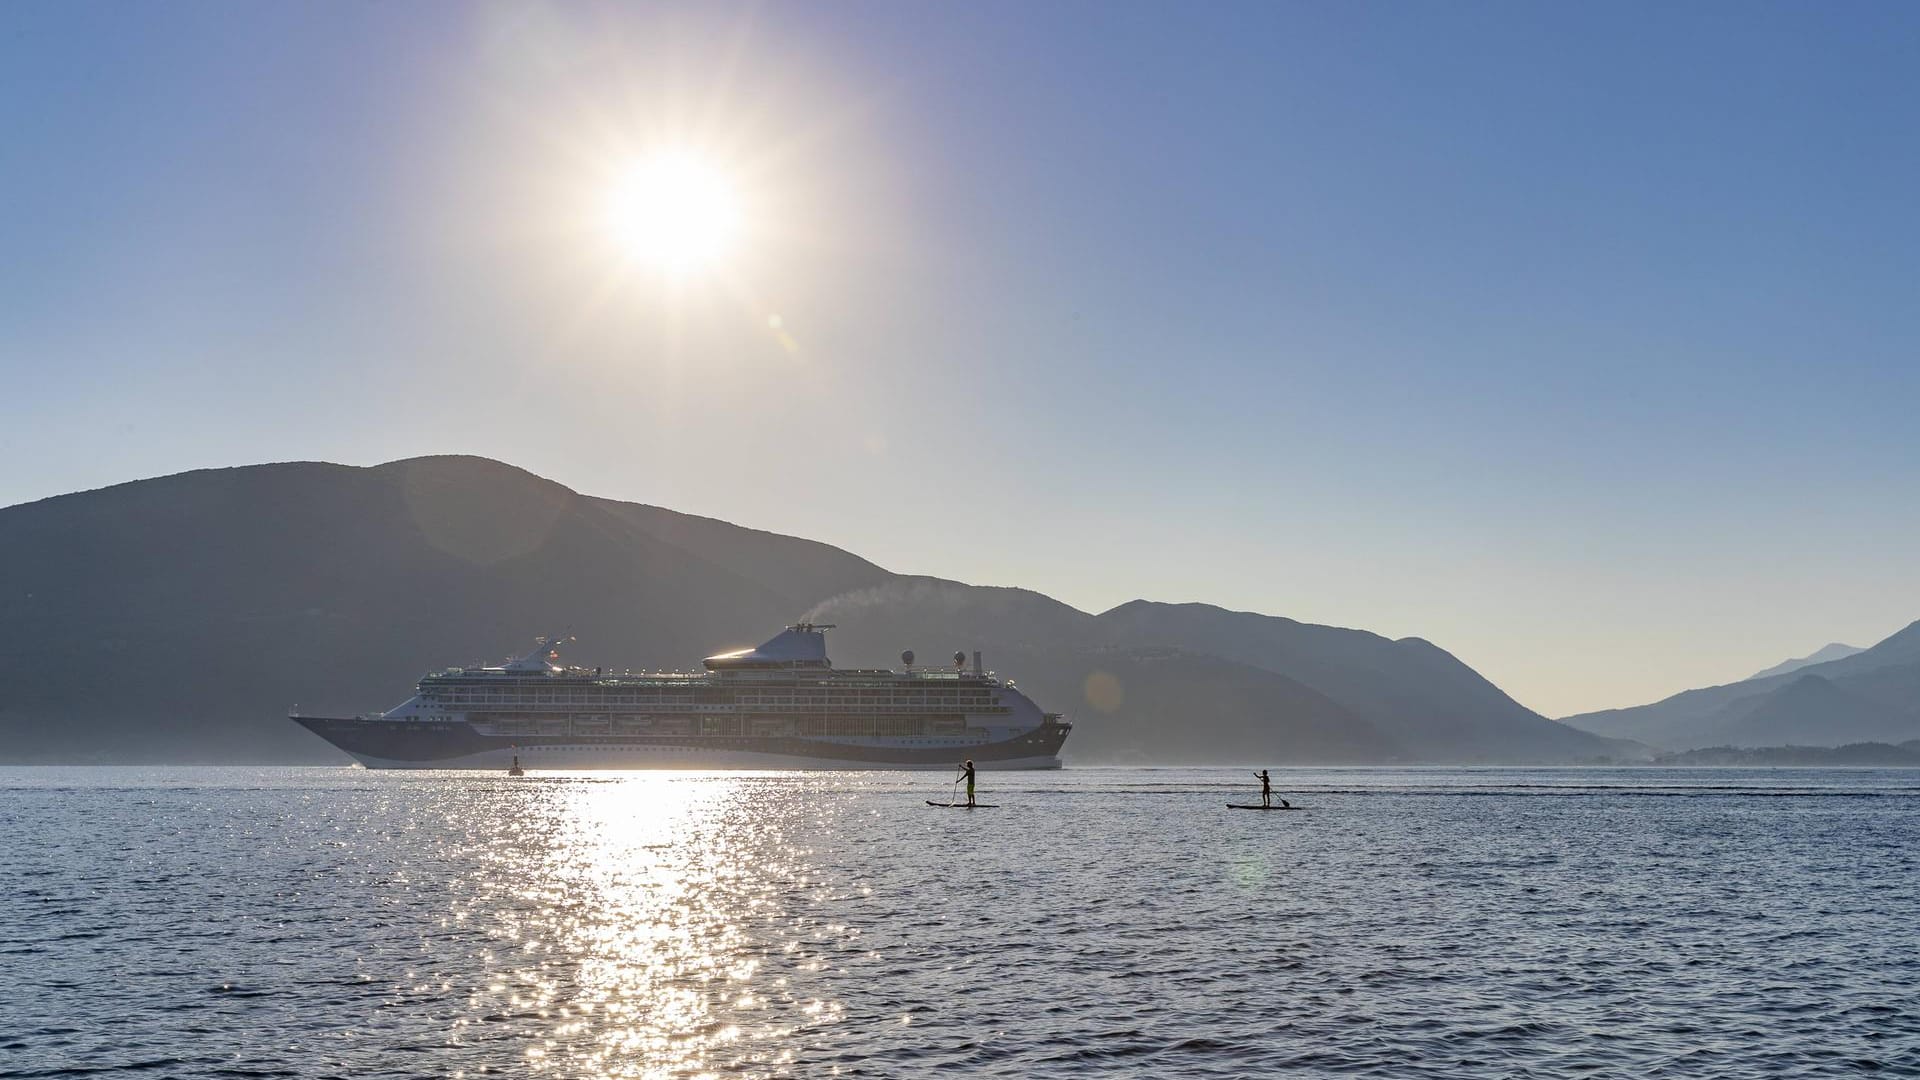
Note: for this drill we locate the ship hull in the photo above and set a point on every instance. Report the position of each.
(385, 744)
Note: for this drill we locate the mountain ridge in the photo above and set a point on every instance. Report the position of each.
(1833, 650)
(1876, 689)
(179, 617)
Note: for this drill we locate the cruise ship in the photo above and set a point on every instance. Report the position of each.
(782, 705)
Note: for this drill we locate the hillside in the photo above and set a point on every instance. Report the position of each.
(1872, 695)
(177, 619)
(1417, 694)
(1852, 755)
(1782, 717)
(1833, 650)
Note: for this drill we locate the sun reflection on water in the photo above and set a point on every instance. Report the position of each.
(630, 925)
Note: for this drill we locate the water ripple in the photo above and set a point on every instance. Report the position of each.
(1409, 923)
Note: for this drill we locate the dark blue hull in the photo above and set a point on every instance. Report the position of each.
(389, 744)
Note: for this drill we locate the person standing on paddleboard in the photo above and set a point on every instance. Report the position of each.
(1266, 788)
(966, 773)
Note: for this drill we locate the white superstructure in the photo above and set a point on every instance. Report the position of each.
(779, 705)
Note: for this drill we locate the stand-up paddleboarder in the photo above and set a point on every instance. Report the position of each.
(1266, 788)
(966, 773)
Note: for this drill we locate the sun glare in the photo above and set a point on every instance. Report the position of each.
(675, 213)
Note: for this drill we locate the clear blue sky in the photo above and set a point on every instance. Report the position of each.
(1579, 340)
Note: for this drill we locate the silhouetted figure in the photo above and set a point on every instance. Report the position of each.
(1266, 789)
(515, 769)
(966, 773)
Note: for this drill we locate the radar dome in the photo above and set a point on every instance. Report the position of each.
(959, 659)
(907, 658)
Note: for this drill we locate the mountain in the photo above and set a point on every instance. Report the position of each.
(1851, 755)
(1872, 695)
(1783, 715)
(177, 619)
(1138, 704)
(1404, 700)
(1417, 694)
(1830, 651)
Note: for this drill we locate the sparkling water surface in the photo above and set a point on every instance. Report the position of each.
(1405, 923)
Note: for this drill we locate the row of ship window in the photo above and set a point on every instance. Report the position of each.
(748, 706)
(725, 728)
(665, 748)
(743, 699)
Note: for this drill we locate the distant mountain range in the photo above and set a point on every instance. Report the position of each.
(178, 619)
(1167, 683)
(1830, 651)
(1861, 696)
(1853, 755)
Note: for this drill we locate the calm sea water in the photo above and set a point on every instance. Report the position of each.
(1407, 923)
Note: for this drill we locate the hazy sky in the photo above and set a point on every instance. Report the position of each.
(1582, 342)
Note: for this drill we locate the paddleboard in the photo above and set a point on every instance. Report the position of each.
(963, 806)
(1257, 806)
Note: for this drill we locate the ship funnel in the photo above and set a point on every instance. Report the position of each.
(976, 663)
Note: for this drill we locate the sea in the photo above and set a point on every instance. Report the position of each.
(334, 922)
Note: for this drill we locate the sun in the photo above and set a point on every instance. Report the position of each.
(675, 212)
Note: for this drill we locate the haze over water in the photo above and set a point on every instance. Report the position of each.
(1434, 922)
